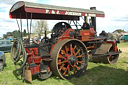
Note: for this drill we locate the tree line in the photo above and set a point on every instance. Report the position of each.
(38, 27)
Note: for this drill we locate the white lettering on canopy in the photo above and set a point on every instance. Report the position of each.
(58, 12)
(72, 13)
(86, 15)
(92, 15)
(47, 11)
(53, 12)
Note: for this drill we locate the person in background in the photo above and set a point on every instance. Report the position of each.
(103, 33)
(85, 26)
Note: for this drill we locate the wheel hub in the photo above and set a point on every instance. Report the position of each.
(72, 59)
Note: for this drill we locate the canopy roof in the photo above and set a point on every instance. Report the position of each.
(50, 12)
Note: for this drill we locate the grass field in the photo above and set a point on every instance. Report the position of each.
(97, 74)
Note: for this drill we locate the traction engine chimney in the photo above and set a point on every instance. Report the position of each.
(93, 18)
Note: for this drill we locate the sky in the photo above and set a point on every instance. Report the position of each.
(115, 13)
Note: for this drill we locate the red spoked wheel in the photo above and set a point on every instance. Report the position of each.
(69, 58)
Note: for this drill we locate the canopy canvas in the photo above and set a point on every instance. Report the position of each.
(28, 10)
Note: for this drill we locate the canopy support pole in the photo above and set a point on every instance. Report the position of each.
(28, 29)
(31, 24)
(21, 27)
(18, 24)
(75, 24)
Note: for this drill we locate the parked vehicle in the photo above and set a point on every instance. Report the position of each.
(5, 45)
(2, 60)
(122, 37)
(11, 39)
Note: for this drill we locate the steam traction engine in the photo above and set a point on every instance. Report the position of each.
(67, 52)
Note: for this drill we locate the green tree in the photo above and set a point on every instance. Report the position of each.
(16, 34)
(24, 33)
(9, 34)
(5, 36)
(119, 30)
(39, 27)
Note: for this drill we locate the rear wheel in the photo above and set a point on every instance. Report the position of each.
(1, 66)
(69, 59)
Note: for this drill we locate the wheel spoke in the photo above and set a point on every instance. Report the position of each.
(79, 62)
(60, 56)
(62, 62)
(76, 66)
(73, 69)
(61, 67)
(75, 47)
(66, 49)
(66, 70)
(63, 52)
(71, 48)
(77, 52)
(79, 56)
(59, 60)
